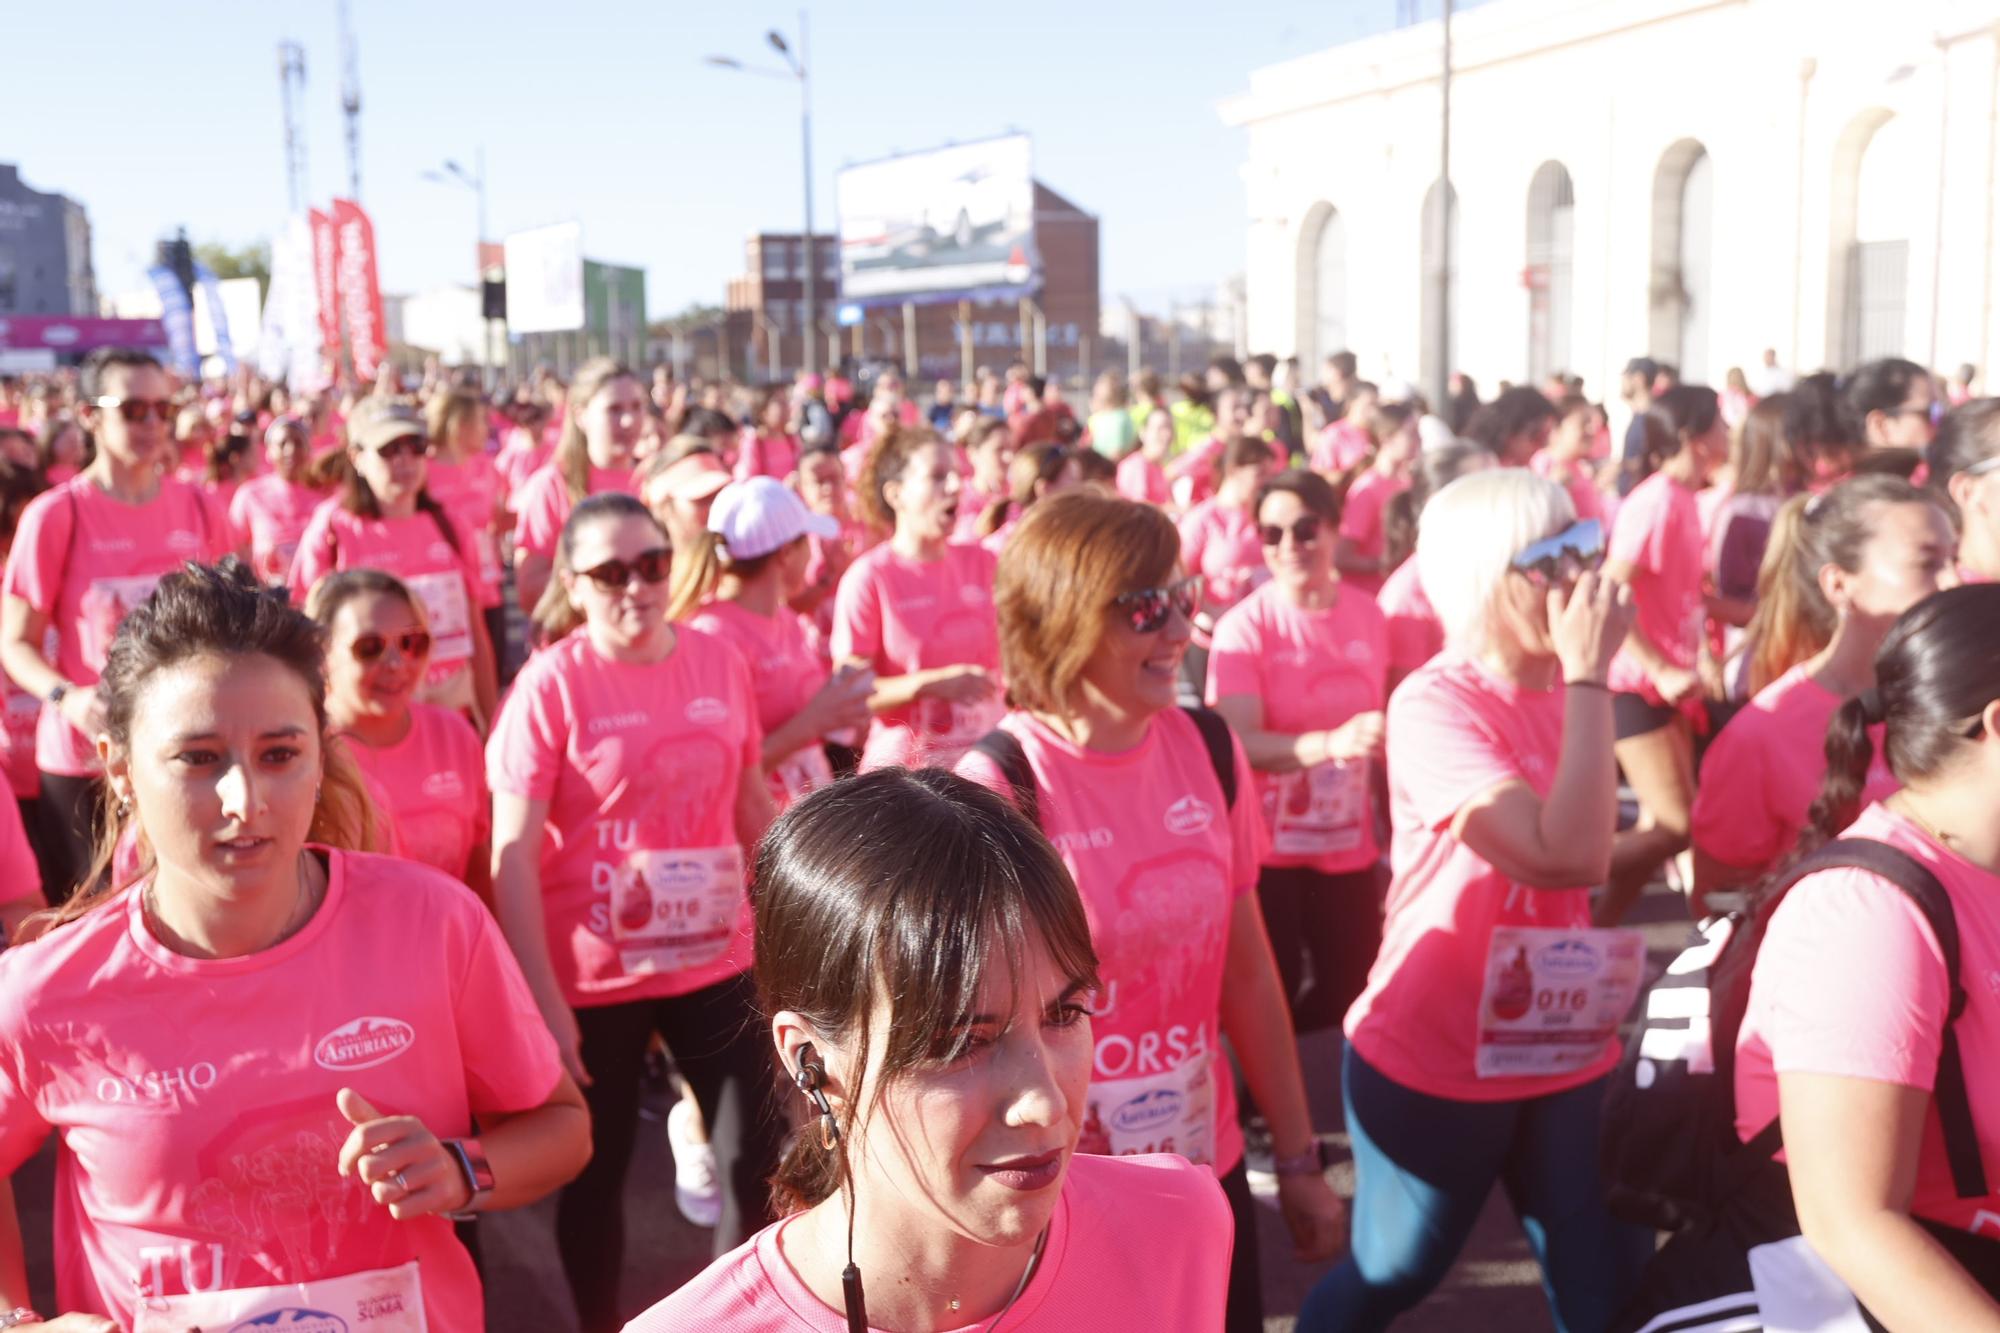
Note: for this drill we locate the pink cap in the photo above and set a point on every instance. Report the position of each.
(762, 515)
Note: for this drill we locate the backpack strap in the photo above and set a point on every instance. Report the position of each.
(1004, 749)
(1954, 1105)
(1215, 735)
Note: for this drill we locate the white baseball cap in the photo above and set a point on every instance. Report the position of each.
(761, 515)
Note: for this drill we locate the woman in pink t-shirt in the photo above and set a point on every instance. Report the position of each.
(1567, 461)
(1142, 474)
(1298, 670)
(606, 411)
(426, 761)
(822, 483)
(1415, 636)
(88, 551)
(772, 449)
(1843, 566)
(20, 711)
(1038, 471)
(1851, 998)
(988, 447)
(462, 478)
(1201, 471)
(269, 514)
(627, 789)
(1459, 1074)
(943, 1101)
(303, 1060)
(1219, 546)
(736, 586)
(918, 610)
(1155, 811)
(1362, 554)
(384, 518)
(1656, 682)
(1964, 459)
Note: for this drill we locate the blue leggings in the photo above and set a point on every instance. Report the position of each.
(1424, 1167)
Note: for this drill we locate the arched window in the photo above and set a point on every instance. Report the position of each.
(1682, 285)
(1439, 295)
(1875, 186)
(1322, 285)
(1551, 241)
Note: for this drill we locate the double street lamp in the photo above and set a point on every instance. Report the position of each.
(795, 68)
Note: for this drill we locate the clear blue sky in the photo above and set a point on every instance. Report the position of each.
(155, 115)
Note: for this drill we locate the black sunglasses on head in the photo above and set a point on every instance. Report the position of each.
(1564, 557)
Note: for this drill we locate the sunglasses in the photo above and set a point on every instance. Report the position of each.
(651, 566)
(1305, 532)
(403, 446)
(136, 410)
(1149, 608)
(1563, 557)
(410, 643)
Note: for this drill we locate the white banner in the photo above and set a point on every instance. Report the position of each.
(949, 220)
(545, 279)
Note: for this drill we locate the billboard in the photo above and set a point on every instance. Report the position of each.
(937, 225)
(545, 279)
(615, 306)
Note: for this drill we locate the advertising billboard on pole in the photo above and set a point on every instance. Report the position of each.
(545, 279)
(938, 225)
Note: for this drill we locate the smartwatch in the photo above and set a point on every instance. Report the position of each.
(54, 699)
(1312, 1162)
(471, 1159)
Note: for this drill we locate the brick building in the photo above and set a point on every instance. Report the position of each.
(773, 287)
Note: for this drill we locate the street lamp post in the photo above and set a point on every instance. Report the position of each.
(475, 181)
(795, 68)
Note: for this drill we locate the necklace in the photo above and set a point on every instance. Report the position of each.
(1027, 1275)
(302, 908)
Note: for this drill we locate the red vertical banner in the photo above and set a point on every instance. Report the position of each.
(360, 289)
(326, 281)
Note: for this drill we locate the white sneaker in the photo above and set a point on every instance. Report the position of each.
(697, 1191)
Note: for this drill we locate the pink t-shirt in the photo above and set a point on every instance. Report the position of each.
(269, 515)
(84, 560)
(193, 1099)
(1177, 1279)
(1415, 633)
(901, 615)
(1159, 862)
(767, 456)
(520, 459)
(642, 873)
(20, 876)
(542, 505)
(785, 673)
(1763, 772)
(1659, 533)
(470, 493)
(1361, 521)
(972, 506)
(1850, 981)
(22, 714)
(1456, 732)
(1141, 479)
(1312, 671)
(1584, 496)
(434, 780)
(415, 550)
(1219, 542)
(1340, 446)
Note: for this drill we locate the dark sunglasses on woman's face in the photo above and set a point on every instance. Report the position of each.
(1564, 557)
(652, 566)
(135, 409)
(1149, 608)
(410, 643)
(1305, 532)
(403, 446)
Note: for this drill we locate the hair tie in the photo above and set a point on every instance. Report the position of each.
(1870, 700)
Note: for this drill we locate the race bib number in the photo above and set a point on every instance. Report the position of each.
(804, 771)
(1173, 1111)
(450, 614)
(387, 1300)
(672, 911)
(105, 605)
(1320, 810)
(1553, 998)
(946, 730)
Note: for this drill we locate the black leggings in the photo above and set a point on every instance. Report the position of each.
(70, 810)
(1335, 920)
(1245, 1309)
(719, 1046)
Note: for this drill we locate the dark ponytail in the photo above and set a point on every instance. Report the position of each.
(1934, 679)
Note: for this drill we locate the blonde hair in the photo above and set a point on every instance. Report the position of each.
(1471, 532)
(572, 456)
(445, 410)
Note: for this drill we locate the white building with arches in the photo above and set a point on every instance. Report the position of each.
(1692, 179)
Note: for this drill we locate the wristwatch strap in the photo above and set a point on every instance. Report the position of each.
(472, 1163)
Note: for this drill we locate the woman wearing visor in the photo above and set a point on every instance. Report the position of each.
(1155, 811)
(1478, 1052)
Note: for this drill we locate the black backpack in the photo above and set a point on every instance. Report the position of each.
(1668, 1147)
(1012, 761)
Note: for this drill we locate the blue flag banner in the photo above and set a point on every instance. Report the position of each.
(177, 313)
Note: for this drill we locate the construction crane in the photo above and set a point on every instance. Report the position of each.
(350, 99)
(291, 91)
